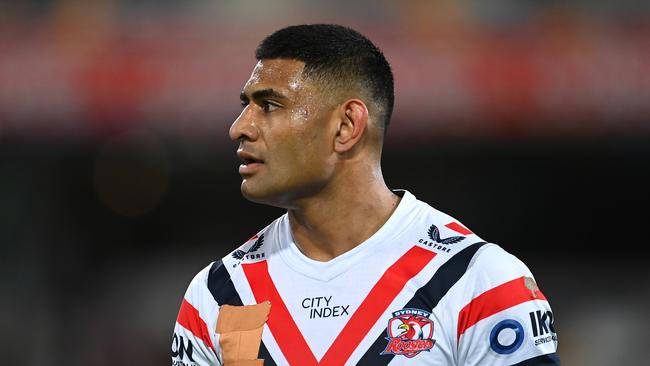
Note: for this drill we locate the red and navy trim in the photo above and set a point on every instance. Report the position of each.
(286, 333)
(189, 318)
(224, 293)
(427, 298)
(495, 300)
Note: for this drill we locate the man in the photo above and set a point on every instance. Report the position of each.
(353, 273)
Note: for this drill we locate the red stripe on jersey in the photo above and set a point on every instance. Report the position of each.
(458, 228)
(284, 329)
(376, 303)
(286, 332)
(502, 297)
(189, 318)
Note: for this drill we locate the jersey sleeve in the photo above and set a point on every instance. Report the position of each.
(195, 341)
(504, 318)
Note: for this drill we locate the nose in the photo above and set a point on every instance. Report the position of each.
(244, 127)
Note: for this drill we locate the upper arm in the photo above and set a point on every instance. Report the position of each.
(195, 341)
(504, 318)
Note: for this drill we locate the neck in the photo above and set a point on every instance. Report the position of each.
(338, 219)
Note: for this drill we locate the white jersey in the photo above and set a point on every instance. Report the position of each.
(423, 290)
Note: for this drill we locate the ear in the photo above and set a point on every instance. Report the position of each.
(352, 124)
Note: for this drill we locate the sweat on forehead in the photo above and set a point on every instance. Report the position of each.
(341, 60)
(282, 78)
(281, 71)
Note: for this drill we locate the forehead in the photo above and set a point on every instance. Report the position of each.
(278, 74)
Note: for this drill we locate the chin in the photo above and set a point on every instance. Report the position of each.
(278, 195)
(257, 195)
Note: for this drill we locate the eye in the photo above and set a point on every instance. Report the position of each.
(268, 106)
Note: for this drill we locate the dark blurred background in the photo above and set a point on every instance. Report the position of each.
(529, 121)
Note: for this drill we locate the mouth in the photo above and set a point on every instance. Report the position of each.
(247, 157)
(249, 163)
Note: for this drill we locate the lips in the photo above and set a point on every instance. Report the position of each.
(250, 162)
(248, 158)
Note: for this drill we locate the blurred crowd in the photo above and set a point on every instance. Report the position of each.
(513, 68)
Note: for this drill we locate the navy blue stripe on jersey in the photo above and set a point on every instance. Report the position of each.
(550, 359)
(425, 298)
(221, 286)
(224, 292)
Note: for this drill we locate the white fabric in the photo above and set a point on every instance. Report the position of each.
(340, 285)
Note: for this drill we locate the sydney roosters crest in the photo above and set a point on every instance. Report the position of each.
(410, 332)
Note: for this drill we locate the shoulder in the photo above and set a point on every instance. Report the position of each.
(212, 286)
(501, 297)
(495, 276)
(218, 277)
(258, 247)
(498, 286)
(445, 229)
(435, 219)
(490, 293)
(250, 249)
(197, 288)
(493, 262)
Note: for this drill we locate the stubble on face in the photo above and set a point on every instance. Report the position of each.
(292, 139)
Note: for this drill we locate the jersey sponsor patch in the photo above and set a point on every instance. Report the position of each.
(182, 349)
(507, 336)
(320, 307)
(541, 323)
(410, 331)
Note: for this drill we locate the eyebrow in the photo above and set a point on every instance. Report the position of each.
(263, 93)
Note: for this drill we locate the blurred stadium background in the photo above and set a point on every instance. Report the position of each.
(527, 120)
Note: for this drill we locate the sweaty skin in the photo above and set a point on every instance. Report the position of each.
(317, 158)
(282, 130)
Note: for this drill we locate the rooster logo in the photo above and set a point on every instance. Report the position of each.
(410, 332)
(412, 327)
(434, 234)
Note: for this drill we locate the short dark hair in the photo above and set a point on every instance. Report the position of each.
(338, 56)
